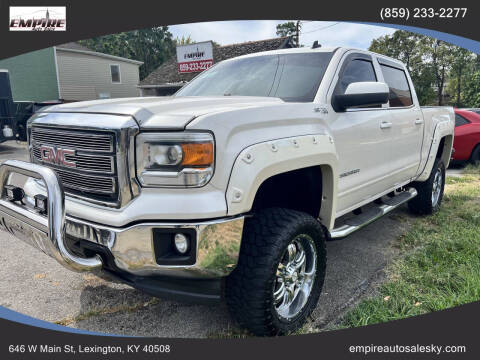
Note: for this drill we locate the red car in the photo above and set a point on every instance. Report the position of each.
(467, 136)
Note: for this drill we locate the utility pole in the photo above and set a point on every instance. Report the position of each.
(297, 30)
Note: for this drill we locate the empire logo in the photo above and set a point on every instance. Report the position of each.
(37, 18)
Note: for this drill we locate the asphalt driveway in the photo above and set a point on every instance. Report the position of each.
(37, 285)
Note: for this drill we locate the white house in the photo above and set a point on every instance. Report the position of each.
(83, 74)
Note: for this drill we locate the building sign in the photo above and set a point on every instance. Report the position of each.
(195, 57)
(38, 18)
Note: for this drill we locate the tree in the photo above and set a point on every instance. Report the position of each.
(471, 88)
(401, 45)
(408, 48)
(153, 46)
(463, 67)
(184, 40)
(472, 93)
(438, 70)
(291, 28)
(439, 57)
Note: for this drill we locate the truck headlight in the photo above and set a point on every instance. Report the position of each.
(175, 159)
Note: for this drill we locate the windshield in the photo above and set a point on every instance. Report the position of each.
(291, 77)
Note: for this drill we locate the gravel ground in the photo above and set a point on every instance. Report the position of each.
(37, 285)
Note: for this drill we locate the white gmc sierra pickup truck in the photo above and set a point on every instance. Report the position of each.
(230, 188)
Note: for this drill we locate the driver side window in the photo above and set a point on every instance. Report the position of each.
(357, 70)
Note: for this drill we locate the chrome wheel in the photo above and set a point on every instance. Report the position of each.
(437, 187)
(295, 277)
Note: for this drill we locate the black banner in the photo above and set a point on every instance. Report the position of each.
(89, 18)
(448, 334)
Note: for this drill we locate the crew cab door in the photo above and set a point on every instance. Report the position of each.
(407, 123)
(362, 136)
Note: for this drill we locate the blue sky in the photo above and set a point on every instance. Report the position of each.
(328, 33)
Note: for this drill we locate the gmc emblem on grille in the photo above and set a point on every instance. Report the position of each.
(56, 156)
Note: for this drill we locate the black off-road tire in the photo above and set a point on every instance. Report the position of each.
(422, 204)
(249, 287)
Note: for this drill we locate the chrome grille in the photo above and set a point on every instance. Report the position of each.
(80, 140)
(94, 174)
(76, 181)
(100, 164)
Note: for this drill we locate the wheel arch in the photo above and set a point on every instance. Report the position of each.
(283, 172)
(474, 148)
(441, 147)
(444, 150)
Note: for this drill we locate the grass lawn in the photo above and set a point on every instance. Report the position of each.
(472, 169)
(439, 265)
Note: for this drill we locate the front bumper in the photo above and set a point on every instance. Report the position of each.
(131, 248)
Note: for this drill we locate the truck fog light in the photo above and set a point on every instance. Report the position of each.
(14, 193)
(182, 243)
(41, 203)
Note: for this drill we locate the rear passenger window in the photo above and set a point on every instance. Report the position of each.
(396, 80)
(460, 120)
(357, 71)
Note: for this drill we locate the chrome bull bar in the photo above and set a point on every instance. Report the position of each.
(46, 233)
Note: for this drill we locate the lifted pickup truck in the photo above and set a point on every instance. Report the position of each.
(230, 188)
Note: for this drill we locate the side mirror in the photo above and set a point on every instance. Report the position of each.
(361, 94)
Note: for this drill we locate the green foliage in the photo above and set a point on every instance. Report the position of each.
(471, 92)
(401, 45)
(290, 28)
(442, 73)
(462, 65)
(287, 29)
(153, 46)
(184, 40)
(438, 55)
(440, 266)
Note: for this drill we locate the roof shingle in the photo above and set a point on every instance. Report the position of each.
(74, 46)
(167, 73)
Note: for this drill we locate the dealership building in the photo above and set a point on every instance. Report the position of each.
(167, 79)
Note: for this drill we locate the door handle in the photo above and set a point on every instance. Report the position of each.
(418, 121)
(385, 125)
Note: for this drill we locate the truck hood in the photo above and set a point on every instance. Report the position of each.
(169, 113)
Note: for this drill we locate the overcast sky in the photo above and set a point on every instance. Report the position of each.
(328, 33)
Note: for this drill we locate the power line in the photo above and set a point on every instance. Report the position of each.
(308, 22)
(321, 28)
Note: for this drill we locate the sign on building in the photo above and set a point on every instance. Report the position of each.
(195, 57)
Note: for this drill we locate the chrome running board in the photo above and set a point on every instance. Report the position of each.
(357, 222)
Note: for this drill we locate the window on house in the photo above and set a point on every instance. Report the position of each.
(396, 80)
(115, 72)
